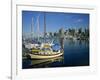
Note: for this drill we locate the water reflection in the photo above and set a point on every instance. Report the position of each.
(76, 52)
(70, 42)
(41, 63)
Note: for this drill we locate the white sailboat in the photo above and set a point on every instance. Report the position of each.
(44, 51)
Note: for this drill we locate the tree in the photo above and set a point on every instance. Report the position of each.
(50, 34)
(87, 32)
(79, 30)
(55, 34)
(71, 32)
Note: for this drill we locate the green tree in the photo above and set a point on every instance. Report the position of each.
(55, 34)
(71, 32)
(50, 34)
(79, 30)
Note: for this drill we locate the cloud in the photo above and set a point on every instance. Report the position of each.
(78, 20)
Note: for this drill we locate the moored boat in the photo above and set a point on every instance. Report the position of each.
(46, 52)
(45, 56)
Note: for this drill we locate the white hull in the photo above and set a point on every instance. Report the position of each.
(33, 56)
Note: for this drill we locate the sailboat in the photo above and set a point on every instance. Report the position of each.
(45, 50)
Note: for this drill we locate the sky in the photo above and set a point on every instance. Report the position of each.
(54, 21)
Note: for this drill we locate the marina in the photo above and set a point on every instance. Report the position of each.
(42, 50)
(62, 48)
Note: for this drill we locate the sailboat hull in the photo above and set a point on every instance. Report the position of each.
(34, 56)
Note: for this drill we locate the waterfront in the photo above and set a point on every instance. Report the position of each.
(54, 39)
(76, 53)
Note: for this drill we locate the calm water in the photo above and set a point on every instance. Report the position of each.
(76, 53)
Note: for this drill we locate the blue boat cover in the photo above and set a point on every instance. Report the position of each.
(56, 47)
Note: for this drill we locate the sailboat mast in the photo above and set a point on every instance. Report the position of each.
(38, 28)
(44, 27)
(32, 29)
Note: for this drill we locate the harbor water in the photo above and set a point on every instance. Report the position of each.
(76, 53)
